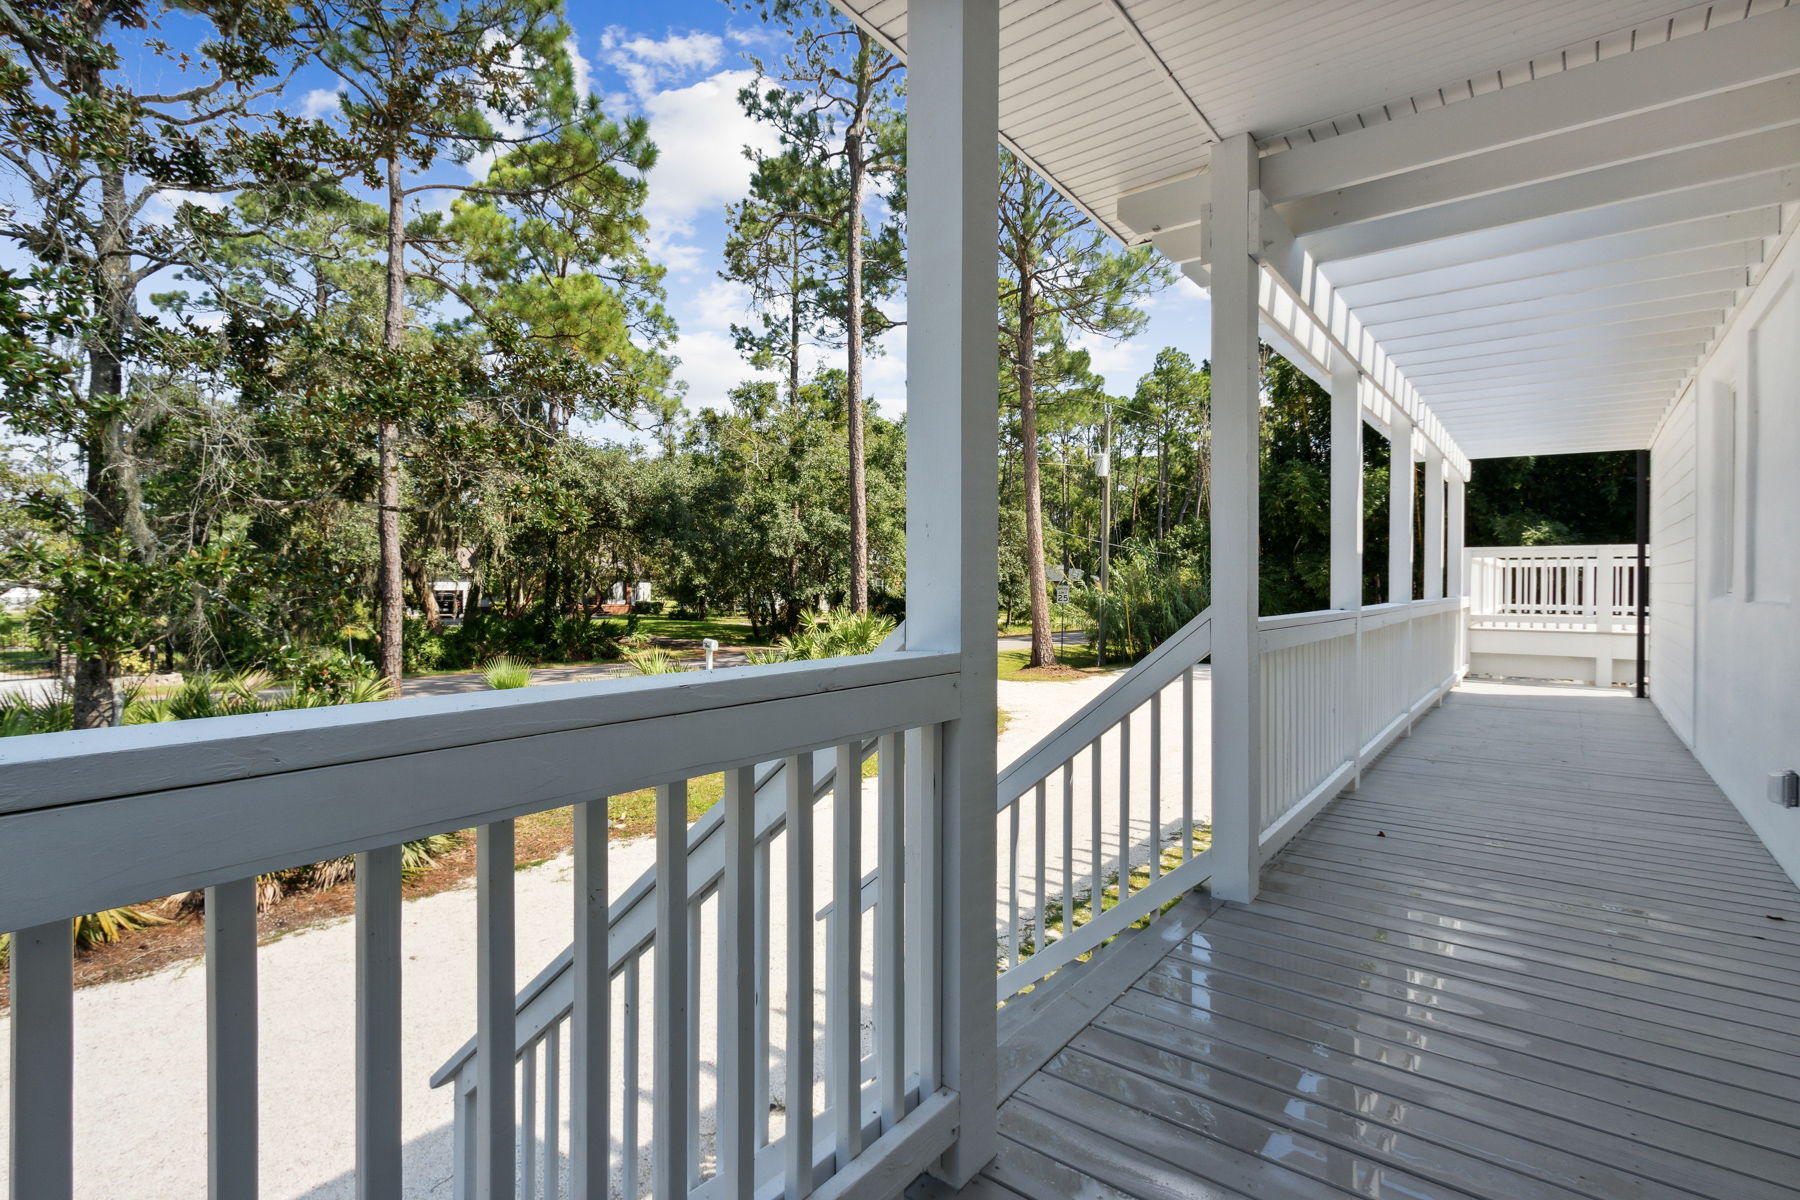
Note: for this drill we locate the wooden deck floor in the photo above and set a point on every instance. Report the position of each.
(1537, 954)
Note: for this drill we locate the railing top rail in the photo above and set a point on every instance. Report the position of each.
(261, 813)
(49, 770)
(1529, 552)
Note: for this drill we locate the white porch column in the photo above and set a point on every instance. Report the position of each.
(1236, 732)
(1346, 485)
(1457, 581)
(952, 487)
(1400, 509)
(1434, 524)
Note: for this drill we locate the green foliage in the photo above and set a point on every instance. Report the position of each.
(1554, 500)
(1148, 598)
(654, 661)
(837, 634)
(505, 673)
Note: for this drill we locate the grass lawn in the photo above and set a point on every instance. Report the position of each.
(1072, 663)
(731, 629)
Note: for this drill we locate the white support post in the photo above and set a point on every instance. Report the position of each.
(953, 118)
(1236, 400)
(1346, 485)
(1457, 582)
(1400, 509)
(1434, 524)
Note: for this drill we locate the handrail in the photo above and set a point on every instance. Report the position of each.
(209, 801)
(1157, 670)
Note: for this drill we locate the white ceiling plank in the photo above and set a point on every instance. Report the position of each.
(1600, 368)
(1766, 48)
(1606, 389)
(1754, 109)
(1619, 247)
(1739, 257)
(1739, 157)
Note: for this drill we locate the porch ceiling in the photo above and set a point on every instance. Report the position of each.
(1540, 212)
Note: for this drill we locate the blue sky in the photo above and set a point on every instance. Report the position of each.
(681, 65)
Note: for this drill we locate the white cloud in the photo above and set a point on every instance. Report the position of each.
(162, 207)
(320, 102)
(711, 367)
(647, 63)
(584, 71)
(700, 135)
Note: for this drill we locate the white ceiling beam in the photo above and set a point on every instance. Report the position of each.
(1527, 367)
(1707, 283)
(1420, 370)
(1620, 247)
(1681, 308)
(1555, 404)
(1731, 56)
(1768, 190)
(1170, 204)
(1184, 245)
(1757, 153)
(1739, 257)
(1603, 389)
(1452, 348)
(1754, 109)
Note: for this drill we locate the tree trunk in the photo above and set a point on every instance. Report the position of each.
(425, 596)
(389, 582)
(1043, 646)
(853, 399)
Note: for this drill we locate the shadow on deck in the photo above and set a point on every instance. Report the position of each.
(1536, 954)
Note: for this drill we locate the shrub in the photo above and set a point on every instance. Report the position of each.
(1145, 603)
(503, 673)
(654, 661)
(833, 635)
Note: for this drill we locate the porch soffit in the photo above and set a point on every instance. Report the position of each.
(1497, 188)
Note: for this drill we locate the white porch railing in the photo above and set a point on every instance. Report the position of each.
(1097, 848)
(210, 804)
(1591, 589)
(1337, 688)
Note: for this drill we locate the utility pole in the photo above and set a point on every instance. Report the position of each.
(1104, 471)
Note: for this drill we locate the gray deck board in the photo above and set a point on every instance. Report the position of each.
(1533, 957)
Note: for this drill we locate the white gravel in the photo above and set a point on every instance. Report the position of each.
(141, 1052)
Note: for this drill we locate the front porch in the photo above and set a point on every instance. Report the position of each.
(1567, 972)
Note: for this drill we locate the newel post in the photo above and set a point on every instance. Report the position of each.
(952, 488)
(1236, 413)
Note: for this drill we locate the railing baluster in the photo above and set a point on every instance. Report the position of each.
(553, 1112)
(1012, 883)
(231, 1102)
(496, 1027)
(843, 1024)
(1068, 847)
(528, 1104)
(1096, 859)
(798, 1137)
(924, 837)
(1043, 865)
(760, 1080)
(738, 1045)
(590, 1020)
(632, 1097)
(695, 940)
(1124, 812)
(1155, 786)
(378, 1023)
(890, 929)
(672, 1100)
(42, 966)
(1188, 734)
